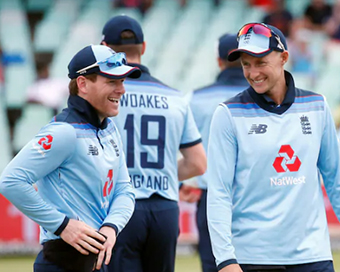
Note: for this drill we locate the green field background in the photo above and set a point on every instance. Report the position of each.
(183, 264)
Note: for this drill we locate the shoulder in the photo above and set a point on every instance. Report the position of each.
(241, 100)
(151, 82)
(58, 134)
(304, 96)
(216, 90)
(111, 126)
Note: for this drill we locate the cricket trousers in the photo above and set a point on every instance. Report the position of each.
(148, 242)
(204, 243)
(42, 265)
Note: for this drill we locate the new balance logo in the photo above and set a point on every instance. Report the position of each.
(93, 150)
(258, 129)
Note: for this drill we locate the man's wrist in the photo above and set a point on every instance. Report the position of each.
(62, 226)
(111, 226)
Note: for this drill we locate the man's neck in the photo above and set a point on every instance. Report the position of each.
(133, 60)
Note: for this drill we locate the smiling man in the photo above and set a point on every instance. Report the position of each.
(84, 191)
(267, 148)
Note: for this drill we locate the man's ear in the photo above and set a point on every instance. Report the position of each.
(81, 83)
(144, 47)
(284, 57)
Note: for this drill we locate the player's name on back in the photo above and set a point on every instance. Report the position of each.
(152, 182)
(144, 101)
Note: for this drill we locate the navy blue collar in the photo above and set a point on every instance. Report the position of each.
(232, 76)
(86, 112)
(143, 68)
(268, 104)
(146, 76)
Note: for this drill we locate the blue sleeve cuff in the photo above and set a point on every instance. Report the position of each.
(111, 226)
(226, 263)
(62, 226)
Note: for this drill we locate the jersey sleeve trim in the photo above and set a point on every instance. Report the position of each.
(190, 144)
(62, 226)
(111, 226)
(226, 263)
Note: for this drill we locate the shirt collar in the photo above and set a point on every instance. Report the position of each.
(232, 76)
(85, 110)
(268, 104)
(143, 68)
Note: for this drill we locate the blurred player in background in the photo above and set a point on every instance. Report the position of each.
(204, 101)
(78, 163)
(155, 121)
(267, 149)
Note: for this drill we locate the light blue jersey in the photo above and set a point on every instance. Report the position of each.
(154, 122)
(265, 203)
(205, 100)
(79, 167)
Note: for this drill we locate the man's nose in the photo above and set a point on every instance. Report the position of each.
(120, 88)
(253, 72)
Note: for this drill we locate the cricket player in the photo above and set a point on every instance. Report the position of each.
(268, 148)
(229, 82)
(155, 122)
(84, 196)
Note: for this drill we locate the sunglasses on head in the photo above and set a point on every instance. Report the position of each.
(260, 29)
(116, 60)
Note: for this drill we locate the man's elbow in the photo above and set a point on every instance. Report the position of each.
(201, 165)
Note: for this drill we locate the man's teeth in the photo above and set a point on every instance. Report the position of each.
(114, 100)
(258, 81)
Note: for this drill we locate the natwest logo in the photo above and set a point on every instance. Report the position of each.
(287, 160)
(286, 181)
(46, 142)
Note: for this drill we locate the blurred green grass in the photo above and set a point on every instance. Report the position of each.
(183, 263)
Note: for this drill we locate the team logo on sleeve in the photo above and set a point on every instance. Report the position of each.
(287, 161)
(46, 142)
(43, 144)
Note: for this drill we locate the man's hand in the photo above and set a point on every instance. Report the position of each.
(189, 193)
(106, 252)
(81, 237)
(231, 268)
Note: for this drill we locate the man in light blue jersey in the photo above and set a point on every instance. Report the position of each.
(204, 101)
(78, 164)
(268, 148)
(154, 122)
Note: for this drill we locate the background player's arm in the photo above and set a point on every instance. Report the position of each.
(193, 163)
(222, 152)
(329, 161)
